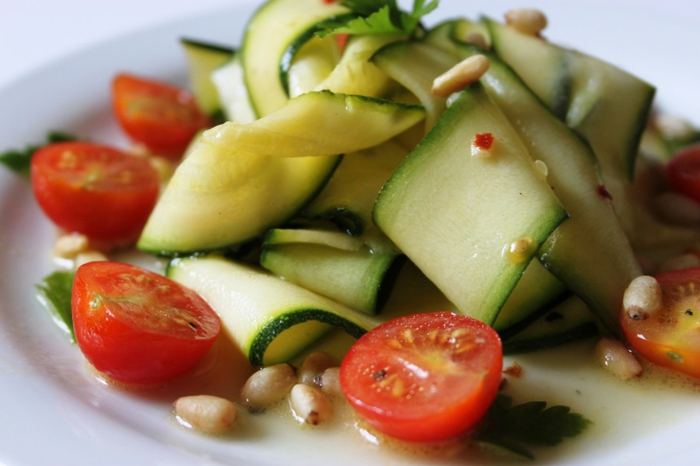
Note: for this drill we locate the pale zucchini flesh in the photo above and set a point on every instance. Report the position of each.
(219, 199)
(348, 197)
(239, 180)
(455, 215)
(233, 95)
(356, 73)
(415, 65)
(311, 65)
(536, 290)
(318, 123)
(590, 252)
(545, 67)
(202, 59)
(332, 239)
(359, 279)
(269, 319)
(273, 35)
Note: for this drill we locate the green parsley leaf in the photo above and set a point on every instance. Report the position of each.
(19, 160)
(54, 292)
(506, 426)
(377, 17)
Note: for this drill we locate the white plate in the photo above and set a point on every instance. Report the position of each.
(53, 410)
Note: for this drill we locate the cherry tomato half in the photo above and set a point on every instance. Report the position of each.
(93, 189)
(137, 326)
(671, 336)
(425, 377)
(162, 117)
(683, 172)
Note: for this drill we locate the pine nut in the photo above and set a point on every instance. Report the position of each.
(310, 405)
(313, 365)
(69, 246)
(528, 21)
(269, 385)
(674, 127)
(677, 209)
(460, 76)
(330, 382)
(477, 39)
(89, 256)
(617, 359)
(206, 413)
(642, 297)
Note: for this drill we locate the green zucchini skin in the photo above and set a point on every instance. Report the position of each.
(605, 105)
(590, 252)
(360, 279)
(543, 66)
(415, 65)
(271, 331)
(566, 322)
(241, 180)
(536, 291)
(468, 209)
(320, 123)
(269, 319)
(203, 59)
(348, 197)
(274, 33)
(223, 50)
(232, 93)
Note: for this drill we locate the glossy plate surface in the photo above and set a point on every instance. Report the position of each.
(53, 409)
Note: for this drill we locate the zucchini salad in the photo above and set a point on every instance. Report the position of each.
(362, 234)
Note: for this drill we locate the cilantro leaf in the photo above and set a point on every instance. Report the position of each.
(19, 160)
(506, 426)
(54, 292)
(377, 17)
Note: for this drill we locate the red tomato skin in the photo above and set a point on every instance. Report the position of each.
(669, 337)
(108, 209)
(158, 115)
(152, 343)
(454, 401)
(683, 172)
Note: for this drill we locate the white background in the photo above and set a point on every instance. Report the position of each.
(53, 417)
(34, 32)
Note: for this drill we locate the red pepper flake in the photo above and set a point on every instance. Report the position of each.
(604, 193)
(483, 141)
(342, 40)
(514, 370)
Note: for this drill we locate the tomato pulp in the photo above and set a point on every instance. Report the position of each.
(670, 337)
(683, 172)
(160, 116)
(425, 377)
(94, 189)
(137, 326)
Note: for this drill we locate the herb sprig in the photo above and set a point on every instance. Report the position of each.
(54, 292)
(377, 17)
(509, 427)
(18, 160)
